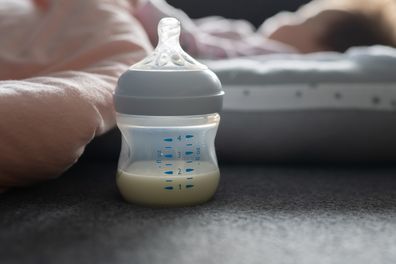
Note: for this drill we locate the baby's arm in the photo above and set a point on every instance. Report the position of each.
(47, 121)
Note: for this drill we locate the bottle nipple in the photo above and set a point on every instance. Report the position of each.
(169, 32)
(168, 55)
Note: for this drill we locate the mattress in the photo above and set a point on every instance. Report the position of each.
(319, 107)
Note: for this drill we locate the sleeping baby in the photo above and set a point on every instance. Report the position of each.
(60, 61)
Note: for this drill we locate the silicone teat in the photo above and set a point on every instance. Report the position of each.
(168, 55)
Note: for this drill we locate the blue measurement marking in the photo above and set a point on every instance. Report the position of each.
(189, 152)
(189, 161)
(189, 144)
(168, 172)
(189, 170)
(189, 178)
(189, 136)
(168, 147)
(189, 185)
(168, 188)
(168, 164)
(168, 155)
(168, 139)
(169, 180)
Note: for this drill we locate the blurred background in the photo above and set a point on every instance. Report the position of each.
(255, 11)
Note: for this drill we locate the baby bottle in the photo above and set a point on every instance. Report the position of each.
(167, 110)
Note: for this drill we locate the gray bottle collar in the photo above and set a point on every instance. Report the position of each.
(168, 93)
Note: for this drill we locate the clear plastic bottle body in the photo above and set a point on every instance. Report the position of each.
(168, 160)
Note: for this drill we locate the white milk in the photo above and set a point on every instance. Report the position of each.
(144, 182)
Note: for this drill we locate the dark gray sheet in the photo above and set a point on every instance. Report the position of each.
(336, 136)
(261, 214)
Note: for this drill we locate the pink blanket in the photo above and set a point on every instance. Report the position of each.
(59, 63)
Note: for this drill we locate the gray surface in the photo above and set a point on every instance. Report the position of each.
(260, 215)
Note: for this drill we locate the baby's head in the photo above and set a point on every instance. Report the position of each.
(336, 25)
